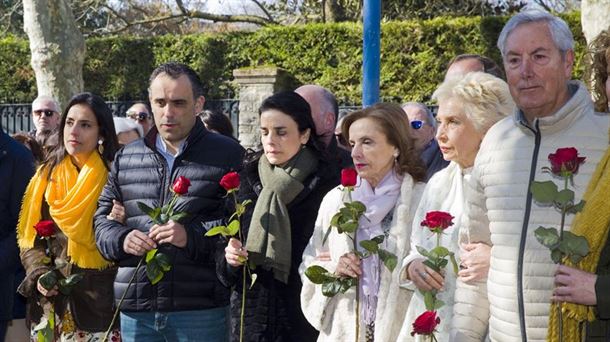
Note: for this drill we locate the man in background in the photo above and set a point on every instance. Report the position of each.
(423, 127)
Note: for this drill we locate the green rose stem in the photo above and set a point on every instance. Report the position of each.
(243, 281)
(52, 301)
(355, 243)
(52, 318)
(116, 312)
(563, 219)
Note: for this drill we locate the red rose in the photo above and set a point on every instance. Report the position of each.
(230, 181)
(565, 160)
(425, 323)
(181, 185)
(349, 177)
(45, 228)
(437, 219)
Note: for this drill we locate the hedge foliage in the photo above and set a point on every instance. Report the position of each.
(414, 55)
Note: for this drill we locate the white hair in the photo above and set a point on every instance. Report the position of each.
(122, 125)
(560, 31)
(49, 100)
(484, 98)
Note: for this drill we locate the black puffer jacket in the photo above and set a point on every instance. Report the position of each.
(140, 174)
(273, 309)
(16, 169)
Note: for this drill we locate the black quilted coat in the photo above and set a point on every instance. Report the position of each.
(140, 174)
(273, 309)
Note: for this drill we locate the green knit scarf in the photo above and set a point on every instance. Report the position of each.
(269, 240)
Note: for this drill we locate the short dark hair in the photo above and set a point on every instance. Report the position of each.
(103, 115)
(175, 70)
(217, 122)
(489, 65)
(295, 106)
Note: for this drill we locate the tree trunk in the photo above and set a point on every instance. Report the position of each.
(594, 17)
(57, 47)
(334, 11)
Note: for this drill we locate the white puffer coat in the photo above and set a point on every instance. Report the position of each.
(499, 208)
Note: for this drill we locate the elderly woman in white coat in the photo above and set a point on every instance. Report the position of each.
(468, 107)
(389, 185)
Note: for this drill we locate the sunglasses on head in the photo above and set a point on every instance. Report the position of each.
(140, 116)
(417, 124)
(47, 113)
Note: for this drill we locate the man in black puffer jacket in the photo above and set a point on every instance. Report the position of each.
(189, 302)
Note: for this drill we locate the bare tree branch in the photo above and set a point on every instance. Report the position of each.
(544, 5)
(116, 14)
(140, 22)
(243, 18)
(263, 8)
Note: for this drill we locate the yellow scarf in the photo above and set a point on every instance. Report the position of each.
(592, 222)
(72, 197)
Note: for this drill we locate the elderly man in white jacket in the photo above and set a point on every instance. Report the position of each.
(553, 112)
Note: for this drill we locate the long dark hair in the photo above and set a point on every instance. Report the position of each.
(103, 115)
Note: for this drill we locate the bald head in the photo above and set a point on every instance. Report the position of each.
(422, 123)
(467, 63)
(464, 66)
(324, 109)
(45, 103)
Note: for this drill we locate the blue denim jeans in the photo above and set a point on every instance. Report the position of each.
(180, 326)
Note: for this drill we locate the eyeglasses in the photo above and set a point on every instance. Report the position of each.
(139, 116)
(47, 113)
(417, 124)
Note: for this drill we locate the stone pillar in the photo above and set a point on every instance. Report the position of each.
(255, 85)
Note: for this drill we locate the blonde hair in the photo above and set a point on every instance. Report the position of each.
(484, 98)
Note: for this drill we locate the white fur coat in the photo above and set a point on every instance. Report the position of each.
(334, 317)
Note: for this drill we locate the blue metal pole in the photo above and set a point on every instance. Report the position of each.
(371, 50)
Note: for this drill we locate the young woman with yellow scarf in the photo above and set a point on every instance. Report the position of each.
(65, 189)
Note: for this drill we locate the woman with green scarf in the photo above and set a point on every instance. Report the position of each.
(286, 182)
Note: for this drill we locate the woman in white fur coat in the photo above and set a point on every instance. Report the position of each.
(468, 107)
(389, 185)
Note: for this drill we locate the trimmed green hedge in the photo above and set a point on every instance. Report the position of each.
(414, 55)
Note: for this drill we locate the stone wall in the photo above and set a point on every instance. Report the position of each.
(255, 85)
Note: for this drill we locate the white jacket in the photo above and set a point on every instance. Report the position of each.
(499, 208)
(334, 317)
(444, 192)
